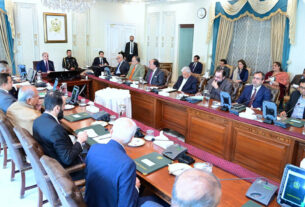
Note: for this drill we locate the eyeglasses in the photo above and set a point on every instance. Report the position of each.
(302, 88)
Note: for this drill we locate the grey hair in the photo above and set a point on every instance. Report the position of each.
(208, 198)
(123, 130)
(186, 69)
(25, 93)
(3, 67)
(44, 53)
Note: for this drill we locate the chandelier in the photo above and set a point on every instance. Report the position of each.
(68, 5)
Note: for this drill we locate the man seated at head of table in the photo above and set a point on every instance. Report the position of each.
(155, 76)
(24, 111)
(53, 137)
(111, 174)
(100, 61)
(296, 104)
(223, 66)
(254, 95)
(6, 84)
(136, 69)
(69, 62)
(186, 82)
(219, 83)
(123, 66)
(45, 65)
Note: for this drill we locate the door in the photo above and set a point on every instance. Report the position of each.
(185, 45)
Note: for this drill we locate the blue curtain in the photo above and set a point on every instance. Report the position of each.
(282, 5)
(9, 37)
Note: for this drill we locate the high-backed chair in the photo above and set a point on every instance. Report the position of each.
(275, 92)
(34, 151)
(200, 81)
(67, 191)
(231, 69)
(16, 152)
(35, 65)
(167, 76)
(3, 146)
(249, 74)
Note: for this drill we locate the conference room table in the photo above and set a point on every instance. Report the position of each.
(259, 147)
(161, 182)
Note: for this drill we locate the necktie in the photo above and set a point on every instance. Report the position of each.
(118, 69)
(194, 66)
(132, 72)
(47, 66)
(101, 61)
(131, 48)
(252, 98)
(150, 77)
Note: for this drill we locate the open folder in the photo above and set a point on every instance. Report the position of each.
(77, 116)
(95, 132)
(151, 162)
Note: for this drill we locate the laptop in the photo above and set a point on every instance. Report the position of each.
(74, 97)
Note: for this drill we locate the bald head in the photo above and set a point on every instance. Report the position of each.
(29, 95)
(123, 130)
(196, 188)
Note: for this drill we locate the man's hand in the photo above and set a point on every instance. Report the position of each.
(138, 183)
(82, 137)
(72, 68)
(283, 114)
(214, 84)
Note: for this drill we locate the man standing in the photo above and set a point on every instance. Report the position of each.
(69, 62)
(196, 66)
(219, 83)
(186, 82)
(100, 61)
(26, 109)
(111, 174)
(123, 66)
(45, 65)
(223, 66)
(6, 84)
(255, 94)
(131, 49)
(155, 76)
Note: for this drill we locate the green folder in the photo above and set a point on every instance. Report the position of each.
(251, 203)
(151, 162)
(77, 116)
(98, 129)
(295, 122)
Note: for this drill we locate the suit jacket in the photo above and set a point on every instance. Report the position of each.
(69, 62)
(189, 87)
(55, 141)
(6, 99)
(243, 75)
(127, 51)
(158, 79)
(226, 69)
(139, 72)
(226, 85)
(262, 95)
(294, 97)
(96, 61)
(296, 79)
(110, 177)
(23, 115)
(124, 68)
(42, 67)
(197, 69)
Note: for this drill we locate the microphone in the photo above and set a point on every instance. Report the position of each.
(154, 139)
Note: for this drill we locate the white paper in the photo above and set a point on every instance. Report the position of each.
(91, 133)
(101, 141)
(148, 162)
(76, 116)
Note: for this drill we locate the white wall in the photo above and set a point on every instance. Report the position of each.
(296, 59)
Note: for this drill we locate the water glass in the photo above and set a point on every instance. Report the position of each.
(141, 80)
(206, 166)
(112, 118)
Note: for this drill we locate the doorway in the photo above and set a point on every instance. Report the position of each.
(186, 36)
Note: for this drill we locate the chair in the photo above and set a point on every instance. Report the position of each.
(249, 74)
(231, 69)
(67, 191)
(35, 64)
(203, 68)
(16, 152)
(167, 76)
(237, 89)
(275, 92)
(34, 151)
(167, 66)
(3, 146)
(200, 81)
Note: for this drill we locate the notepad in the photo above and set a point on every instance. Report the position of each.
(95, 133)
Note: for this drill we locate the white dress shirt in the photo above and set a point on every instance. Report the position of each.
(257, 89)
(182, 84)
(131, 48)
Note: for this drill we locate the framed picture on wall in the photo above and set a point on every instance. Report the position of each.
(55, 28)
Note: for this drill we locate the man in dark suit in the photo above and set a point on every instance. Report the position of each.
(223, 66)
(4, 68)
(69, 62)
(6, 84)
(196, 66)
(296, 104)
(131, 49)
(111, 175)
(45, 65)
(123, 66)
(255, 94)
(155, 76)
(53, 138)
(100, 61)
(186, 82)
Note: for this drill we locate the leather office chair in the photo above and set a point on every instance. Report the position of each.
(35, 64)
(34, 151)
(16, 152)
(167, 76)
(237, 89)
(3, 146)
(67, 191)
(249, 74)
(275, 92)
(200, 82)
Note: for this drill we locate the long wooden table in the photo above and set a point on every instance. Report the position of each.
(261, 148)
(161, 182)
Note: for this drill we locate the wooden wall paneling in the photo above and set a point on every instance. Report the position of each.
(263, 151)
(209, 132)
(299, 153)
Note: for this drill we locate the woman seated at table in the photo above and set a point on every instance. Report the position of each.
(278, 79)
(240, 74)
